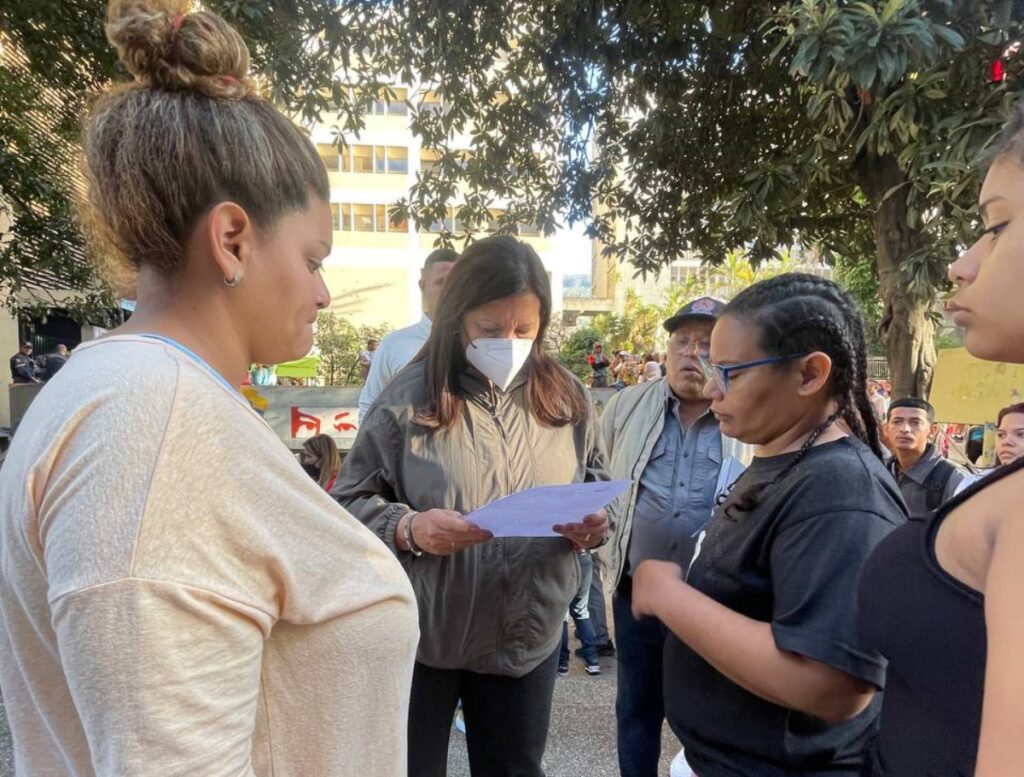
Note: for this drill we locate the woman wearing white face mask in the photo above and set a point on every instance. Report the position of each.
(481, 413)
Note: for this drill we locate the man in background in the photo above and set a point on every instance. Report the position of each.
(23, 367)
(398, 348)
(366, 357)
(663, 436)
(599, 364)
(52, 362)
(926, 479)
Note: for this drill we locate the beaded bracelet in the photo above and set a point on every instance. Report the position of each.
(407, 535)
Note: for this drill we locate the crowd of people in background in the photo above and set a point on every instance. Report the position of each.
(624, 368)
(797, 586)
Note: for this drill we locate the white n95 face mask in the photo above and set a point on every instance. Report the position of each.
(500, 359)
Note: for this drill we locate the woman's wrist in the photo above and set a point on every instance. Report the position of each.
(410, 538)
(400, 533)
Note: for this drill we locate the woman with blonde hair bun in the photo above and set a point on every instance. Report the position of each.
(177, 597)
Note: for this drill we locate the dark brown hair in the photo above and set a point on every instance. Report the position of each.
(492, 269)
(1017, 408)
(189, 131)
(1010, 141)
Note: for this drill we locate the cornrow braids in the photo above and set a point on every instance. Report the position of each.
(800, 313)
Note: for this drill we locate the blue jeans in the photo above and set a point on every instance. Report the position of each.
(639, 703)
(580, 612)
(596, 606)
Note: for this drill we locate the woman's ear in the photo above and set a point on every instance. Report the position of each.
(230, 237)
(815, 371)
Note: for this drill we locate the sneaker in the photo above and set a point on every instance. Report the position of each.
(607, 650)
(593, 669)
(460, 721)
(563, 670)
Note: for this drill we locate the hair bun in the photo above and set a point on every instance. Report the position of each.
(164, 46)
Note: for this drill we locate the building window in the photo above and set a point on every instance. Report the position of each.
(430, 159)
(398, 159)
(450, 223)
(362, 218)
(329, 155)
(529, 230)
(336, 215)
(494, 220)
(368, 217)
(680, 273)
(401, 226)
(431, 102)
(396, 106)
(362, 159)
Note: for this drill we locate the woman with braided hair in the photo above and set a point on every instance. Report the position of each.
(941, 597)
(764, 672)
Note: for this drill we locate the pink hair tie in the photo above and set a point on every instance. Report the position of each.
(230, 79)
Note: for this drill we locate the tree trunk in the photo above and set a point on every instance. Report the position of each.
(907, 330)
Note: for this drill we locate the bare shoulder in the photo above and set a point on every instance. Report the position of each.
(967, 538)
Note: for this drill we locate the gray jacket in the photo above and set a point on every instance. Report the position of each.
(496, 608)
(631, 424)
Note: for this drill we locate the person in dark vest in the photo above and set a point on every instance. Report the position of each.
(926, 479)
(52, 362)
(23, 368)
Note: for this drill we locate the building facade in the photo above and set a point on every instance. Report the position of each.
(373, 271)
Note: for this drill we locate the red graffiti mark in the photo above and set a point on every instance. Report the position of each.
(341, 425)
(302, 421)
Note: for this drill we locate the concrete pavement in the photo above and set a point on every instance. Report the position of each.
(582, 741)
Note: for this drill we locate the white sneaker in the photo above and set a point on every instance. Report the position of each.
(679, 767)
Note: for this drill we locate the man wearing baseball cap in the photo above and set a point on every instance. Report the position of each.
(23, 366)
(663, 437)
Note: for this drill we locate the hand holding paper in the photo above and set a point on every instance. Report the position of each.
(587, 535)
(536, 511)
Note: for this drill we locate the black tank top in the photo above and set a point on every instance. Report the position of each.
(931, 629)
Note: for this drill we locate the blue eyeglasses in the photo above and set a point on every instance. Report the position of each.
(719, 373)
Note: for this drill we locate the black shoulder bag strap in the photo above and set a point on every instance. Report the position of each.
(936, 482)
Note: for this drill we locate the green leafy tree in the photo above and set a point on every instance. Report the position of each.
(848, 127)
(574, 350)
(53, 56)
(860, 280)
(338, 343)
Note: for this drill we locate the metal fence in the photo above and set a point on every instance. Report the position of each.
(878, 368)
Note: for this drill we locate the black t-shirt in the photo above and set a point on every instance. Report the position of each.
(794, 560)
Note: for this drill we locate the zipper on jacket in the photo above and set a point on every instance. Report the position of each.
(508, 490)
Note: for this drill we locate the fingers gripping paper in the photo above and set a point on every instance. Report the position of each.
(533, 512)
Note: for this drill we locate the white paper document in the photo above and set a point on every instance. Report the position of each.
(533, 512)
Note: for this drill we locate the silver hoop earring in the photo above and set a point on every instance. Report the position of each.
(233, 282)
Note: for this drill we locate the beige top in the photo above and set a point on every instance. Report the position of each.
(177, 597)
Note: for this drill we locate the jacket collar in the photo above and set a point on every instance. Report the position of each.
(475, 383)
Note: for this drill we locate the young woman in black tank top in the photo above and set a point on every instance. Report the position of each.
(941, 598)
